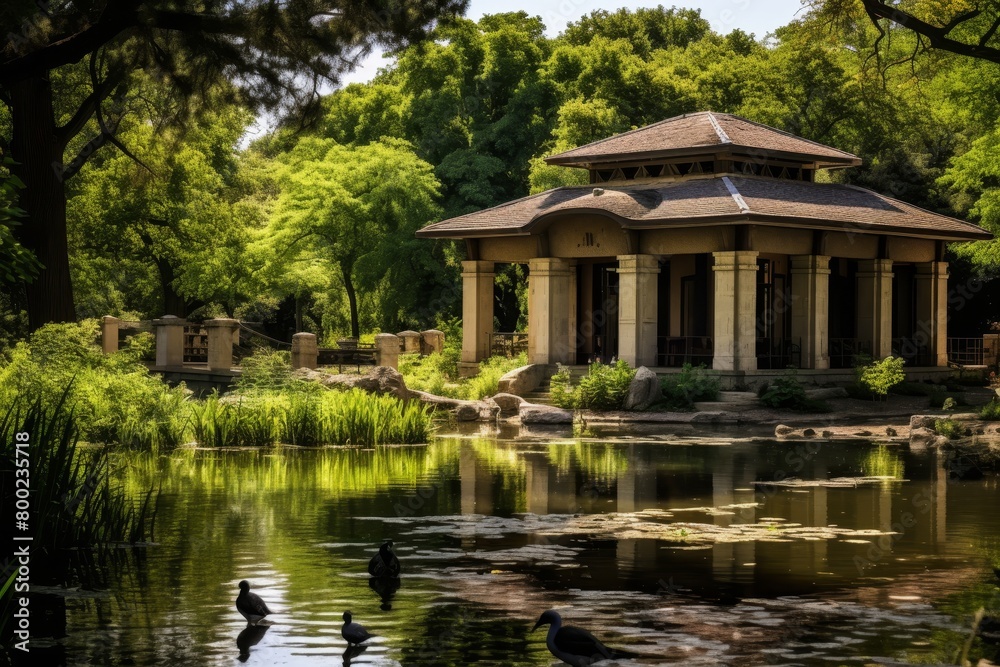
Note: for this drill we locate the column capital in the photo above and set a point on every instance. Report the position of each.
(548, 266)
(222, 322)
(732, 260)
(810, 264)
(638, 264)
(870, 268)
(932, 269)
(478, 267)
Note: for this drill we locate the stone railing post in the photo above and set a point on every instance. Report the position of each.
(109, 334)
(305, 351)
(387, 350)
(169, 341)
(410, 341)
(431, 341)
(220, 343)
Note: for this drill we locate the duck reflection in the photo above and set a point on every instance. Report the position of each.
(250, 636)
(351, 653)
(386, 589)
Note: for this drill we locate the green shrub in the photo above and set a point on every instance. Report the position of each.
(691, 385)
(605, 387)
(561, 388)
(114, 397)
(881, 376)
(949, 428)
(486, 382)
(265, 369)
(990, 411)
(787, 393)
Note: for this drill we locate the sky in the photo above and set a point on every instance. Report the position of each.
(757, 16)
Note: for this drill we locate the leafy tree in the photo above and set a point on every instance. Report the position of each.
(66, 69)
(354, 207)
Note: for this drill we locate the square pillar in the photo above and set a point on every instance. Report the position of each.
(477, 310)
(735, 332)
(169, 341)
(220, 343)
(305, 351)
(932, 309)
(637, 309)
(875, 305)
(810, 308)
(387, 350)
(109, 334)
(548, 311)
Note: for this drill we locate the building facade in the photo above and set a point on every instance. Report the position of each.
(708, 238)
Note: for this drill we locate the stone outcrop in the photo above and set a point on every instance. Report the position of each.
(379, 380)
(509, 404)
(523, 380)
(544, 414)
(644, 390)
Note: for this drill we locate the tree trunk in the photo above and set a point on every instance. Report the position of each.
(39, 155)
(173, 303)
(352, 299)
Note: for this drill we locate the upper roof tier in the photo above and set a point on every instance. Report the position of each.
(705, 134)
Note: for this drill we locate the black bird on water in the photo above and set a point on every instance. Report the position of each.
(354, 633)
(384, 563)
(575, 646)
(250, 605)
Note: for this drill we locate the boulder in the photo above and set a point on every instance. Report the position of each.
(781, 430)
(891, 432)
(923, 421)
(544, 414)
(523, 380)
(379, 380)
(922, 438)
(643, 391)
(467, 412)
(464, 411)
(809, 432)
(509, 404)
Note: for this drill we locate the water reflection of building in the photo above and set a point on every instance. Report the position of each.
(729, 479)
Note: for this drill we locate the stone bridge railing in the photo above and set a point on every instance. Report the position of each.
(223, 334)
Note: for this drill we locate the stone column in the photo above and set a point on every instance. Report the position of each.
(875, 305)
(431, 341)
(305, 351)
(109, 334)
(810, 308)
(637, 309)
(169, 341)
(220, 343)
(477, 310)
(548, 311)
(410, 340)
(932, 309)
(735, 335)
(387, 350)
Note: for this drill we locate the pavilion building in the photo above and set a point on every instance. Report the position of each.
(707, 238)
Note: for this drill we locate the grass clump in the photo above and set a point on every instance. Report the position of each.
(787, 393)
(604, 387)
(309, 418)
(949, 428)
(693, 384)
(990, 411)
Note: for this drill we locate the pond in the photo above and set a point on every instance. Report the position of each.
(686, 550)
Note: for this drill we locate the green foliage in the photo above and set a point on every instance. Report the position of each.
(604, 387)
(561, 388)
(265, 369)
(693, 384)
(787, 393)
(438, 374)
(114, 397)
(990, 411)
(881, 376)
(949, 428)
(17, 263)
(882, 462)
(308, 419)
(490, 371)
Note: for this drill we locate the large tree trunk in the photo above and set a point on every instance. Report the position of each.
(173, 303)
(352, 299)
(39, 155)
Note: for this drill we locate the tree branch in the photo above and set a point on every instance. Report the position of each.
(938, 37)
(89, 106)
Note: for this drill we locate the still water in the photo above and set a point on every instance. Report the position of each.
(678, 548)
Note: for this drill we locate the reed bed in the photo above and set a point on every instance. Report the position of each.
(309, 418)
